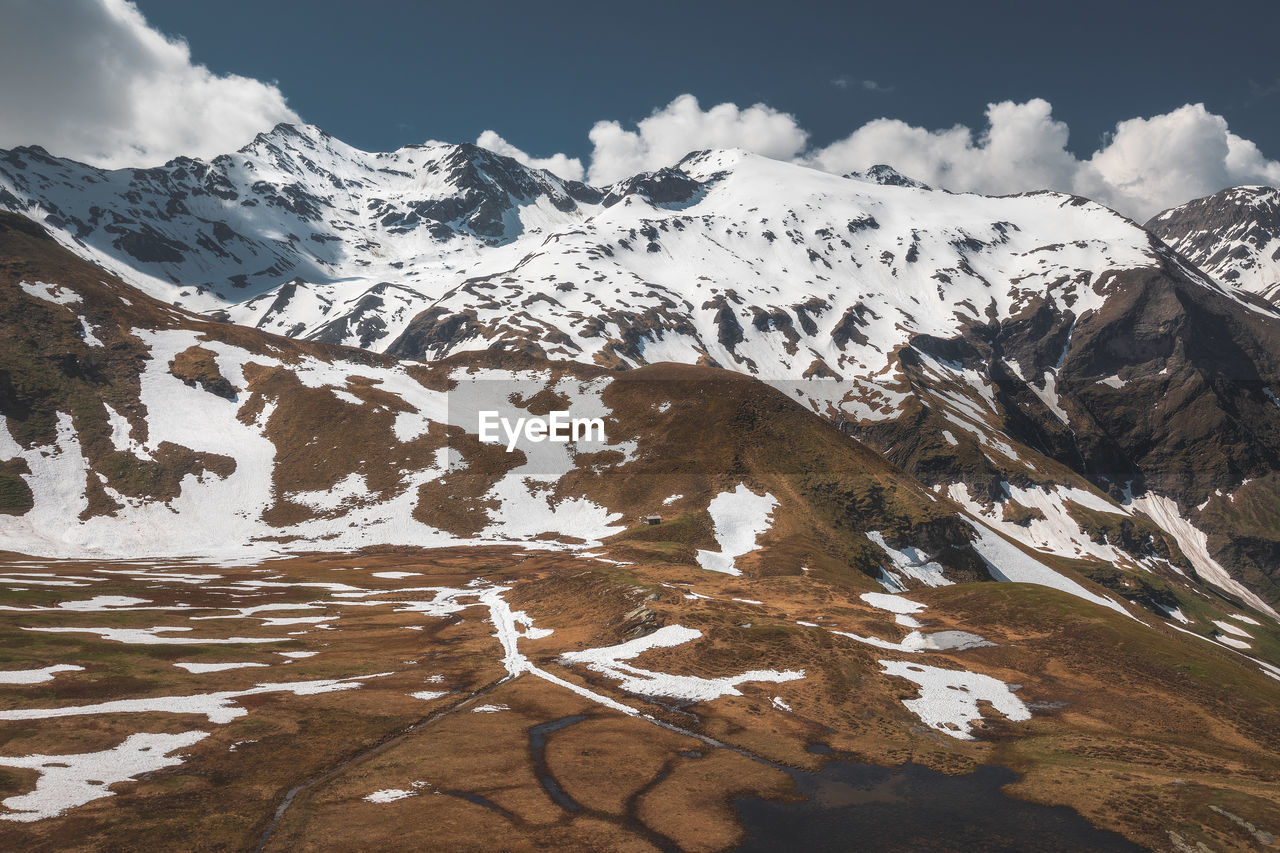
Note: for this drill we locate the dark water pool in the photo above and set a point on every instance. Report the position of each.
(857, 807)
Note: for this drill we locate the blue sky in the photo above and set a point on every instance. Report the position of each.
(1140, 105)
(380, 74)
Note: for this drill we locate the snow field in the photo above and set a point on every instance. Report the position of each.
(738, 518)
(948, 700)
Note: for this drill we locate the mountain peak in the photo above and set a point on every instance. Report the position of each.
(1232, 235)
(288, 135)
(886, 175)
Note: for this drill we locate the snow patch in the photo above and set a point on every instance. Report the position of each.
(215, 667)
(150, 636)
(911, 562)
(55, 293)
(609, 661)
(389, 795)
(1195, 545)
(892, 603)
(738, 518)
(67, 781)
(948, 700)
(36, 676)
(1007, 562)
(219, 707)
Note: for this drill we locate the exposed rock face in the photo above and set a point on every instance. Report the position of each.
(1233, 235)
(978, 343)
(296, 206)
(198, 367)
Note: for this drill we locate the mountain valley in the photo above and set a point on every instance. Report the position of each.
(891, 476)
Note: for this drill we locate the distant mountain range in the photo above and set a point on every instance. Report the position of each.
(1105, 393)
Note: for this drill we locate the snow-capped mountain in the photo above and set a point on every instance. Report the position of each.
(1233, 235)
(729, 258)
(133, 428)
(294, 203)
(412, 563)
(996, 349)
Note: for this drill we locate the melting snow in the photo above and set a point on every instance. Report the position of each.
(428, 695)
(1007, 562)
(609, 661)
(242, 612)
(1195, 545)
(1228, 628)
(1056, 532)
(67, 781)
(949, 698)
(36, 676)
(892, 603)
(55, 293)
(149, 636)
(219, 707)
(911, 562)
(40, 582)
(97, 604)
(917, 641)
(739, 517)
(389, 795)
(215, 667)
(86, 332)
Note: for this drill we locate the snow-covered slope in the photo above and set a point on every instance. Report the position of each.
(1038, 340)
(132, 428)
(295, 203)
(755, 264)
(781, 271)
(1233, 235)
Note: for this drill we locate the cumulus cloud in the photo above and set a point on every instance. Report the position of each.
(1022, 148)
(556, 164)
(1146, 165)
(91, 80)
(1154, 163)
(682, 126)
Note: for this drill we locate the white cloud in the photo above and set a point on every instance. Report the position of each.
(683, 126)
(557, 164)
(1154, 163)
(1145, 166)
(1023, 148)
(1148, 164)
(91, 80)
